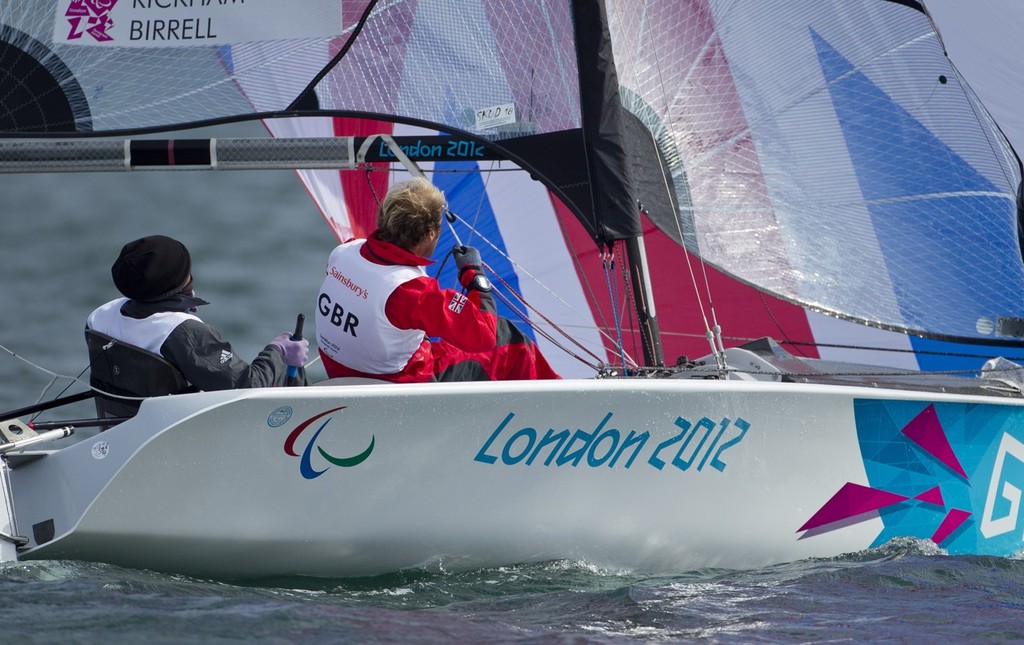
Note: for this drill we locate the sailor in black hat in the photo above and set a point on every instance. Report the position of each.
(158, 314)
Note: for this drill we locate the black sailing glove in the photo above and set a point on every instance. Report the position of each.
(471, 274)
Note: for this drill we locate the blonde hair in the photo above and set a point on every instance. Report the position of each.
(411, 210)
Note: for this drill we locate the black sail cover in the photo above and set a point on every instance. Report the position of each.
(824, 151)
(604, 133)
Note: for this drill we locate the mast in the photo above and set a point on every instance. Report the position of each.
(615, 208)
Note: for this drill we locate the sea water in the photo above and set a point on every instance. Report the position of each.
(259, 248)
(903, 592)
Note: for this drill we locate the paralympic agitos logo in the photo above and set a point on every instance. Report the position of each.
(305, 462)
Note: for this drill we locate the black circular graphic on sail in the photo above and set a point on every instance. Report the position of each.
(38, 93)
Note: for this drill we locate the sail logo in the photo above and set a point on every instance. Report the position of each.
(90, 17)
(1010, 494)
(306, 468)
(688, 446)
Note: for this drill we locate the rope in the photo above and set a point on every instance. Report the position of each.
(614, 300)
(629, 297)
(778, 325)
(73, 379)
(55, 376)
(523, 271)
(536, 328)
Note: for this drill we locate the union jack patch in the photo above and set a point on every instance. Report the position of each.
(457, 303)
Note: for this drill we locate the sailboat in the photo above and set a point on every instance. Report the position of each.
(824, 162)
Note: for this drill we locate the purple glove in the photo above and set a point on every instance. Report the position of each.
(295, 351)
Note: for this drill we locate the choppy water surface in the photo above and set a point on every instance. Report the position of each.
(904, 592)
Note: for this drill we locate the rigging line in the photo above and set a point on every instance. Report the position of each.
(512, 307)
(522, 315)
(521, 269)
(693, 280)
(667, 100)
(36, 366)
(78, 379)
(483, 195)
(778, 326)
(310, 87)
(584, 280)
(614, 300)
(46, 388)
(900, 350)
(450, 219)
(546, 319)
(543, 332)
(712, 336)
(61, 393)
(864, 348)
(369, 184)
(628, 295)
(55, 376)
(898, 375)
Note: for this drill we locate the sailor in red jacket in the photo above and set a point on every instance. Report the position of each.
(377, 309)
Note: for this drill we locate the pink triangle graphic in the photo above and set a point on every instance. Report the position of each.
(851, 500)
(931, 496)
(954, 518)
(926, 431)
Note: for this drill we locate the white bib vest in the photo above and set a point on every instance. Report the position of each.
(148, 333)
(351, 325)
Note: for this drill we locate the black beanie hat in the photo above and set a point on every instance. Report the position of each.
(151, 268)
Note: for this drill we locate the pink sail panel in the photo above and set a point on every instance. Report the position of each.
(743, 312)
(360, 191)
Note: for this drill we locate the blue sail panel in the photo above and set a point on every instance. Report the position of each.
(467, 196)
(932, 212)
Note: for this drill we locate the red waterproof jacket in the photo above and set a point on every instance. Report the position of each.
(462, 323)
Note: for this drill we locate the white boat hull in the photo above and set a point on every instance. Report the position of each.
(460, 475)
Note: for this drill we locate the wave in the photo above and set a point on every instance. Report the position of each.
(900, 590)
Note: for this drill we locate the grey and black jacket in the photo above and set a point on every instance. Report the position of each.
(171, 329)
